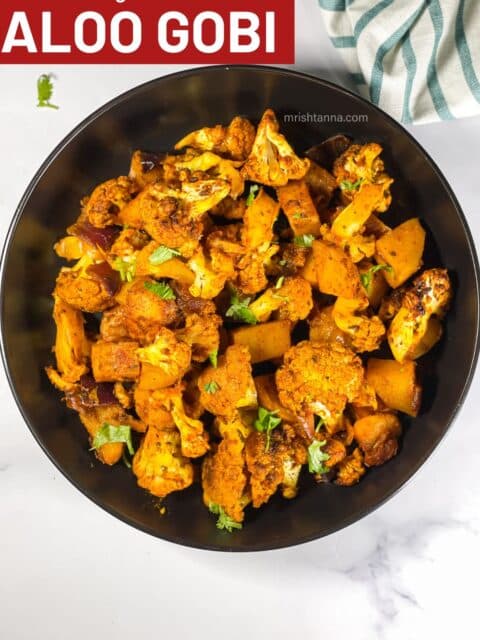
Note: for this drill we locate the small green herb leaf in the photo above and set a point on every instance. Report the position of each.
(126, 267)
(213, 357)
(254, 189)
(45, 91)
(163, 254)
(224, 521)
(304, 241)
(346, 185)
(266, 422)
(160, 289)
(366, 278)
(238, 310)
(211, 387)
(113, 433)
(298, 216)
(316, 457)
(279, 283)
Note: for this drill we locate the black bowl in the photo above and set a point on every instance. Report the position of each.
(153, 117)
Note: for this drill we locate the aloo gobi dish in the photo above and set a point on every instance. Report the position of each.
(240, 316)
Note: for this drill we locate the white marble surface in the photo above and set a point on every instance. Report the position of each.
(69, 571)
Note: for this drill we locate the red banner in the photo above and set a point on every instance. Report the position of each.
(140, 32)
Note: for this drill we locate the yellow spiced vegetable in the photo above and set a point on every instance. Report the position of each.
(224, 310)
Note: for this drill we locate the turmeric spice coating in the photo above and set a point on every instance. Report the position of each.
(238, 314)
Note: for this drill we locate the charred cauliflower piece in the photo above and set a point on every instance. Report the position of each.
(88, 286)
(377, 436)
(107, 200)
(351, 469)
(365, 333)
(168, 354)
(234, 141)
(159, 464)
(224, 473)
(229, 386)
(272, 161)
(227, 170)
(319, 378)
(292, 299)
(202, 334)
(416, 328)
(358, 165)
(277, 465)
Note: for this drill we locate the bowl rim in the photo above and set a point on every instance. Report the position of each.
(126, 95)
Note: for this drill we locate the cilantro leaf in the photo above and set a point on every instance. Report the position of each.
(316, 457)
(346, 185)
(266, 422)
(304, 241)
(213, 357)
(254, 189)
(279, 283)
(298, 216)
(224, 521)
(160, 289)
(366, 278)
(211, 387)
(238, 310)
(163, 254)
(113, 433)
(45, 91)
(126, 267)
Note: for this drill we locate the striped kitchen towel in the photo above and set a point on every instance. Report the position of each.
(417, 59)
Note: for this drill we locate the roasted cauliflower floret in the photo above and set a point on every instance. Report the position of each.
(224, 473)
(365, 333)
(167, 353)
(71, 345)
(361, 164)
(218, 167)
(202, 334)
(350, 469)
(320, 378)
(251, 276)
(415, 328)
(377, 436)
(146, 312)
(159, 211)
(208, 281)
(272, 161)
(229, 386)
(292, 299)
(105, 202)
(159, 464)
(146, 168)
(88, 286)
(234, 141)
(279, 464)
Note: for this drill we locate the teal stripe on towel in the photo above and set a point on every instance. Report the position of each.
(395, 38)
(343, 42)
(369, 15)
(411, 65)
(333, 5)
(464, 53)
(432, 79)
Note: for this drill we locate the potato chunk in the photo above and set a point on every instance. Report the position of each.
(112, 361)
(395, 384)
(402, 250)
